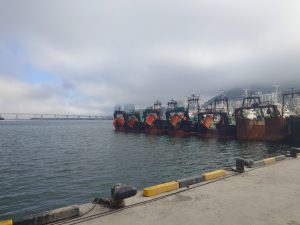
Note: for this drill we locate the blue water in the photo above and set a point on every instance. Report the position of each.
(50, 164)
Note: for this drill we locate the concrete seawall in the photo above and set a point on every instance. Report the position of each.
(266, 195)
(263, 195)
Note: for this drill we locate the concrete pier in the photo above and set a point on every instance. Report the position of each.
(265, 195)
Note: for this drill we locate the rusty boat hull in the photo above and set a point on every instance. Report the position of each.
(155, 131)
(159, 127)
(120, 129)
(267, 129)
(184, 128)
(181, 133)
(138, 127)
(222, 131)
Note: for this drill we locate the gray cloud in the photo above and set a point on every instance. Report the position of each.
(106, 52)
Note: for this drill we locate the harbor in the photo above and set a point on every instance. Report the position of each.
(51, 164)
(87, 156)
(149, 112)
(256, 194)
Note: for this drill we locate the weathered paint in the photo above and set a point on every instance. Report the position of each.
(161, 188)
(155, 131)
(267, 129)
(214, 175)
(269, 160)
(6, 222)
(190, 180)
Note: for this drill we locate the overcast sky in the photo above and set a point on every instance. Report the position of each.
(84, 57)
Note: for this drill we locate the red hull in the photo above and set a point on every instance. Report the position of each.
(121, 129)
(155, 131)
(181, 133)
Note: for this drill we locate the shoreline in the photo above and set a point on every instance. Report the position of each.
(254, 197)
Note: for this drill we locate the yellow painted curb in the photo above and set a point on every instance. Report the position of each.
(6, 222)
(214, 174)
(161, 188)
(269, 160)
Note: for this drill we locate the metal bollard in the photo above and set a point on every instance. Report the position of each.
(241, 163)
(294, 151)
(119, 192)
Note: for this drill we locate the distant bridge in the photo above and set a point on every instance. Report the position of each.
(49, 116)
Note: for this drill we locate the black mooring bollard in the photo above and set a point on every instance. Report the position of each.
(294, 152)
(240, 164)
(119, 192)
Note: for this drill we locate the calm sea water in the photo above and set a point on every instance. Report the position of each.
(50, 164)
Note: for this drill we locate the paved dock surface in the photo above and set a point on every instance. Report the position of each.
(266, 195)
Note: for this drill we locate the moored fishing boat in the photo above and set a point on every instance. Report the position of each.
(119, 120)
(183, 122)
(153, 122)
(127, 121)
(175, 116)
(216, 122)
(134, 123)
(260, 121)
